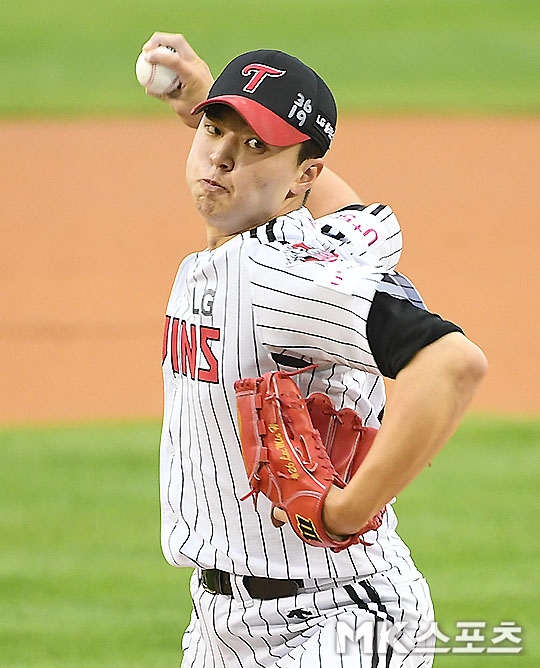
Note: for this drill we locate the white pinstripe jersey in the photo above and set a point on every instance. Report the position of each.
(288, 293)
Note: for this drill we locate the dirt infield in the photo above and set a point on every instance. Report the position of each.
(95, 218)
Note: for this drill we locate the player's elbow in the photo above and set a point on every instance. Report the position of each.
(474, 361)
(479, 363)
(465, 361)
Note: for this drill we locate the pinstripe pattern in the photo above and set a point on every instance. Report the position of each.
(237, 293)
(290, 293)
(235, 632)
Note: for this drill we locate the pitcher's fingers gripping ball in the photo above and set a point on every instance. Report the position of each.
(155, 77)
(285, 457)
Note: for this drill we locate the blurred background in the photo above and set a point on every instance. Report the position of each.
(439, 117)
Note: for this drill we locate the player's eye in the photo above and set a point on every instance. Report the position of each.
(256, 144)
(211, 129)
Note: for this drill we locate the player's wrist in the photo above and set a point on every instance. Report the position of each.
(341, 516)
(184, 99)
(332, 514)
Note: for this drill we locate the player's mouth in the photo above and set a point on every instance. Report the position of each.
(213, 186)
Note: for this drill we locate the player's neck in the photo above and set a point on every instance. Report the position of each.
(216, 236)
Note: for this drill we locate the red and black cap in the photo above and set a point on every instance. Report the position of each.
(281, 98)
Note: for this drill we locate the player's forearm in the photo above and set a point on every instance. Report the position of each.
(428, 400)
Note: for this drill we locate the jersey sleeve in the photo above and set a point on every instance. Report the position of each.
(399, 325)
(316, 307)
(370, 234)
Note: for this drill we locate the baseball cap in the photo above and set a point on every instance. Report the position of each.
(281, 98)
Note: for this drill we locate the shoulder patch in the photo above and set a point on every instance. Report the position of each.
(300, 252)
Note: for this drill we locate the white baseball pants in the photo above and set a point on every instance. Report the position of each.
(384, 621)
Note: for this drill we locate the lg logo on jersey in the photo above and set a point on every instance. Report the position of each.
(190, 348)
(207, 302)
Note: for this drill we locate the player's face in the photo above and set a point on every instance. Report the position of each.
(236, 180)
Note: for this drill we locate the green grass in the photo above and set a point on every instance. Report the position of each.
(458, 56)
(84, 584)
(473, 522)
(82, 578)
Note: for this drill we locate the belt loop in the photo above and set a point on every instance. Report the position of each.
(240, 592)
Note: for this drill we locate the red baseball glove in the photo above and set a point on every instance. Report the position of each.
(345, 439)
(286, 459)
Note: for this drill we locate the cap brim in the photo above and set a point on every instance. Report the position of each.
(270, 127)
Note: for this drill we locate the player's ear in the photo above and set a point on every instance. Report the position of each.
(308, 173)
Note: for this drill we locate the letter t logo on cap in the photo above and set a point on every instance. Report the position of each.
(259, 73)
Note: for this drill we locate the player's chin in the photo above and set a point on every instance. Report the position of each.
(208, 206)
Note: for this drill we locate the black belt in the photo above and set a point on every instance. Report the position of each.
(219, 582)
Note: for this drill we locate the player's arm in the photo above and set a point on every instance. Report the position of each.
(330, 193)
(428, 400)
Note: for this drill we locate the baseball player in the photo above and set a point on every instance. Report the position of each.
(276, 289)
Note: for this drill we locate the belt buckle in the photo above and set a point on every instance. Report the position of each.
(210, 580)
(215, 581)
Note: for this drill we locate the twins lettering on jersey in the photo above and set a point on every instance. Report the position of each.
(190, 349)
(190, 345)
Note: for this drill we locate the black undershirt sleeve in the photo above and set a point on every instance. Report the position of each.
(397, 330)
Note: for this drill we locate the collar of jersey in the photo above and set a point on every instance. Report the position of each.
(274, 230)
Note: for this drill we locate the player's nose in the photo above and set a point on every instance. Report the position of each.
(222, 155)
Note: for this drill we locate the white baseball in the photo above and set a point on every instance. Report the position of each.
(157, 79)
